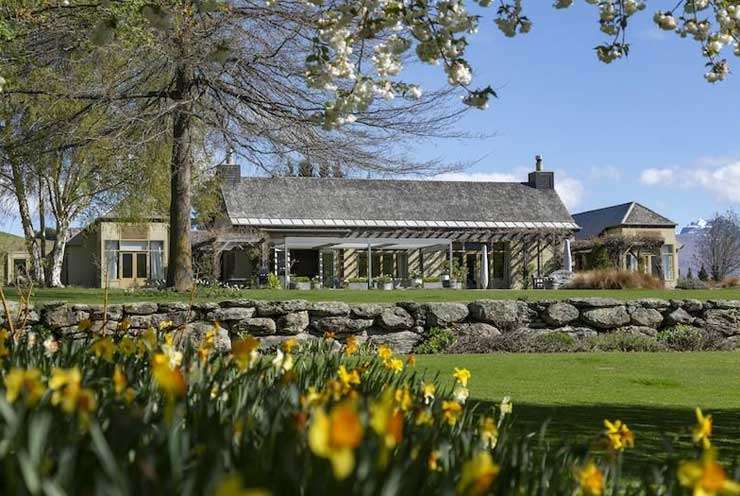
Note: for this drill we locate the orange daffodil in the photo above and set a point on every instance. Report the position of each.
(706, 477)
(619, 435)
(351, 346)
(386, 419)
(702, 431)
(245, 352)
(590, 479)
(335, 435)
(478, 475)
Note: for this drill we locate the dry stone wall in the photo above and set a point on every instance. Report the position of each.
(401, 325)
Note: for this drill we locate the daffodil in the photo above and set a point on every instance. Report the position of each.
(104, 348)
(4, 335)
(348, 378)
(411, 361)
(451, 411)
(590, 479)
(433, 461)
(66, 385)
(335, 436)
(244, 352)
(478, 475)
(282, 362)
(384, 352)
(208, 343)
(394, 364)
(51, 346)
(351, 346)
(289, 344)
(169, 379)
(706, 477)
(149, 339)
(460, 393)
(403, 399)
(24, 383)
(505, 407)
(127, 346)
(164, 325)
(619, 435)
(84, 325)
(234, 486)
(424, 417)
(386, 420)
(119, 380)
(462, 376)
(427, 390)
(311, 398)
(702, 431)
(329, 336)
(488, 432)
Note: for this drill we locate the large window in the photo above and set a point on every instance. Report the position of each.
(134, 260)
(666, 252)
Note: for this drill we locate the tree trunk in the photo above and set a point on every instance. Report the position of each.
(180, 266)
(56, 256)
(32, 246)
(42, 227)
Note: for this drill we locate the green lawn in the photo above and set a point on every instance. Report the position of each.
(655, 393)
(78, 295)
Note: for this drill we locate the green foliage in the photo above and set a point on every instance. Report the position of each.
(599, 257)
(437, 340)
(622, 341)
(552, 342)
(683, 337)
(703, 274)
(691, 284)
(273, 281)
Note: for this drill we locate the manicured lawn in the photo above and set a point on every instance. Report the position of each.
(78, 295)
(655, 393)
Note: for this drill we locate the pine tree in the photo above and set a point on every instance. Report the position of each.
(690, 275)
(703, 275)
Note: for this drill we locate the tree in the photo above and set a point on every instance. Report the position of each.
(719, 245)
(703, 275)
(689, 274)
(280, 78)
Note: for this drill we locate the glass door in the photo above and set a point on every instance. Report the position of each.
(134, 268)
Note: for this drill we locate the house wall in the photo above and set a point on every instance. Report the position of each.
(82, 260)
(668, 235)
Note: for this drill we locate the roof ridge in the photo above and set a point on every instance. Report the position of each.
(624, 221)
(604, 208)
(629, 211)
(378, 179)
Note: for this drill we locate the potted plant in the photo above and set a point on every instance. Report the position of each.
(434, 282)
(385, 282)
(357, 283)
(300, 282)
(416, 280)
(315, 282)
(457, 275)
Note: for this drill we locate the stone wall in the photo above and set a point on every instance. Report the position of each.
(401, 325)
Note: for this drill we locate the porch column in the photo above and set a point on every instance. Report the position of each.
(321, 269)
(567, 256)
(450, 271)
(287, 263)
(484, 267)
(369, 266)
(539, 258)
(275, 260)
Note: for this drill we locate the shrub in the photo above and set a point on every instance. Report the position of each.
(517, 342)
(438, 340)
(599, 257)
(622, 341)
(273, 281)
(683, 337)
(703, 274)
(691, 284)
(614, 279)
(730, 282)
(552, 342)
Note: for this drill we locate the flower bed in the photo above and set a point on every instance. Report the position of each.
(168, 412)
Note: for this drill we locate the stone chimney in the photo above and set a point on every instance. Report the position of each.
(539, 179)
(230, 171)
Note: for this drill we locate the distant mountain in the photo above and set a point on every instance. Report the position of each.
(689, 237)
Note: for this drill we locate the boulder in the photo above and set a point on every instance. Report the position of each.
(367, 310)
(693, 306)
(146, 308)
(231, 314)
(293, 323)
(678, 316)
(444, 314)
(205, 308)
(193, 335)
(560, 314)
(395, 319)
(328, 309)
(575, 332)
(606, 318)
(645, 317)
(241, 303)
(506, 315)
(257, 326)
(341, 325)
(726, 322)
(725, 304)
(115, 312)
(654, 303)
(477, 329)
(401, 342)
(276, 308)
(595, 302)
(171, 307)
(57, 316)
(639, 330)
(271, 342)
(146, 321)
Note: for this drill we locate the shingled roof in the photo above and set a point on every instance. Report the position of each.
(303, 201)
(595, 222)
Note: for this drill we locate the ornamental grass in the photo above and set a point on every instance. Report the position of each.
(138, 416)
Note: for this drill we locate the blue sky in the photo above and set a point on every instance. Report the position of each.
(648, 128)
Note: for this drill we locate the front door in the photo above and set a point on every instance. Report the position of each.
(498, 276)
(134, 269)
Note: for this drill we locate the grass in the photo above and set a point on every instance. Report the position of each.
(80, 295)
(653, 392)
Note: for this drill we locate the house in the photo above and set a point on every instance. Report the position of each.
(117, 252)
(632, 236)
(339, 231)
(14, 259)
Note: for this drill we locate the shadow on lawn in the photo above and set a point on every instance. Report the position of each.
(656, 429)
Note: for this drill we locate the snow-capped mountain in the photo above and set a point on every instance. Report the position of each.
(689, 237)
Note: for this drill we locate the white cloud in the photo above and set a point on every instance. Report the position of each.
(570, 189)
(656, 176)
(725, 181)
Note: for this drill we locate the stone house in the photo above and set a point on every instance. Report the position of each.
(14, 259)
(117, 252)
(339, 231)
(643, 239)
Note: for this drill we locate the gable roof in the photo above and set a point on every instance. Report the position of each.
(312, 201)
(595, 222)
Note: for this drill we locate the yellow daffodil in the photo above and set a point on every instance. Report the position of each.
(386, 420)
(170, 380)
(4, 335)
(310, 398)
(702, 431)
(119, 380)
(335, 436)
(488, 432)
(149, 339)
(706, 477)
(84, 325)
(289, 344)
(478, 474)
(351, 346)
(127, 346)
(451, 411)
(428, 389)
(283, 362)
(329, 336)
(165, 324)
(590, 479)
(619, 435)
(25, 383)
(462, 376)
(403, 398)
(424, 417)
(460, 393)
(411, 361)
(394, 364)
(433, 461)
(244, 352)
(234, 486)
(104, 348)
(65, 384)
(384, 352)
(348, 378)
(208, 343)
(505, 407)
(124, 325)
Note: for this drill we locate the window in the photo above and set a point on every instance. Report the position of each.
(632, 264)
(111, 260)
(498, 261)
(157, 260)
(127, 266)
(141, 266)
(362, 264)
(666, 252)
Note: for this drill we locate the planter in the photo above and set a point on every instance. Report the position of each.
(456, 285)
(386, 286)
(303, 286)
(433, 285)
(357, 285)
(417, 283)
